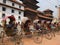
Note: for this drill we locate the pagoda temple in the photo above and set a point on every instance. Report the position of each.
(46, 15)
(30, 8)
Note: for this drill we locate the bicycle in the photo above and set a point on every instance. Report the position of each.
(12, 36)
(37, 37)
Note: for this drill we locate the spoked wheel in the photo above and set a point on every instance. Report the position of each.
(48, 36)
(19, 42)
(53, 34)
(58, 32)
(38, 38)
(2, 37)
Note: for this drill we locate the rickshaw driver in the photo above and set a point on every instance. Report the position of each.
(11, 27)
(12, 22)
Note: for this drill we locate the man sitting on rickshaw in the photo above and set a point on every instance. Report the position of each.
(10, 27)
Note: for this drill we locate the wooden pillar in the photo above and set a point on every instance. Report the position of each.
(58, 12)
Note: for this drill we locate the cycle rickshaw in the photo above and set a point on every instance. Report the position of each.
(10, 31)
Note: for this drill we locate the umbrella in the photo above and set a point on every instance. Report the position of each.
(8, 18)
(36, 21)
(24, 19)
(48, 21)
(54, 20)
(7, 21)
(12, 18)
(4, 19)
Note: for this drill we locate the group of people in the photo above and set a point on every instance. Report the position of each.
(29, 25)
(40, 25)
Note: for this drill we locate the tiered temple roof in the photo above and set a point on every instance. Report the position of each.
(31, 10)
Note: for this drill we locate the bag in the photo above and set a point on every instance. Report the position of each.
(37, 27)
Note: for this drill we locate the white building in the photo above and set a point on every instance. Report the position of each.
(11, 7)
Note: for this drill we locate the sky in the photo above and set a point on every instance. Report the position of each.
(49, 4)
